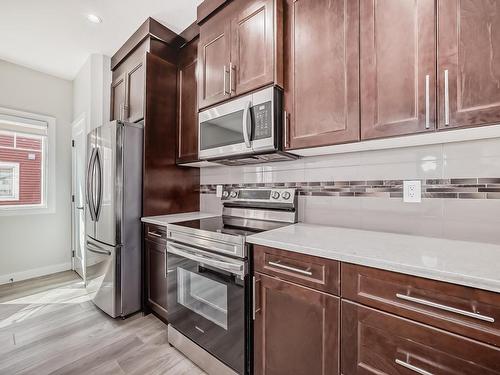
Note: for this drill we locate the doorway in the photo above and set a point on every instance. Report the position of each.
(78, 159)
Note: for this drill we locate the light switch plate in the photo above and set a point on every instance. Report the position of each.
(412, 191)
(218, 192)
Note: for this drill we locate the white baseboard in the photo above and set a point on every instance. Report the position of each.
(35, 272)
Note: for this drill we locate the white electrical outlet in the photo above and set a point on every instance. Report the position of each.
(218, 192)
(412, 191)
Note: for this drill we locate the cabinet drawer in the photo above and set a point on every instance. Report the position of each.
(317, 273)
(374, 342)
(155, 233)
(466, 311)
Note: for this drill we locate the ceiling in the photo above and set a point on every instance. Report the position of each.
(55, 37)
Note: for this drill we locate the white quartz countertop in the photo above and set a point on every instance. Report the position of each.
(466, 263)
(176, 218)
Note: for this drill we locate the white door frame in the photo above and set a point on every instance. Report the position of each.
(78, 128)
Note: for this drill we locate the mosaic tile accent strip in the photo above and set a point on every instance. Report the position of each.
(454, 188)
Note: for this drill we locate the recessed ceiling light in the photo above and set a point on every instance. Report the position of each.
(93, 18)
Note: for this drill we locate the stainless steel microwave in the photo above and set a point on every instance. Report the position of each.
(243, 130)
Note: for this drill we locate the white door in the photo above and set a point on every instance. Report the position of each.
(78, 157)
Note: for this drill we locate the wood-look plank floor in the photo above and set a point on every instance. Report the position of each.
(48, 326)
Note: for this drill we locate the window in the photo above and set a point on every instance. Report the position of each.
(23, 161)
(9, 181)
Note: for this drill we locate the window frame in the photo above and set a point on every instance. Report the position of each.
(48, 175)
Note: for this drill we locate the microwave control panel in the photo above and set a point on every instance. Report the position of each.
(263, 120)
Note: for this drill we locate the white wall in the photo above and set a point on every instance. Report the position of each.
(33, 245)
(91, 91)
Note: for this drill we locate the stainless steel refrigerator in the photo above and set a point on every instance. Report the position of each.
(112, 219)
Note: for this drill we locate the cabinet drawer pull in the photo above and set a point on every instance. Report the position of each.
(445, 308)
(224, 82)
(427, 102)
(232, 80)
(413, 368)
(288, 268)
(155, 234)
(285, 127)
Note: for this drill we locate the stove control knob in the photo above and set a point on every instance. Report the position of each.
(286, 195)
(234, 194)
(225, 194)
(275, 195)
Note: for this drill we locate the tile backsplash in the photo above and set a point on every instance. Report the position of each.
(461, 189)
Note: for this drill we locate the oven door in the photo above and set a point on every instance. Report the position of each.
(226, 130)
(206, 301)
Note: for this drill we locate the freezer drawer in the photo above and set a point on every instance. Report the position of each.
(102, 271)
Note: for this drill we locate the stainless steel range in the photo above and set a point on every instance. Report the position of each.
(209, 290)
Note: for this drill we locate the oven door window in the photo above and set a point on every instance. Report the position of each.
(203, 296)
(222, 131)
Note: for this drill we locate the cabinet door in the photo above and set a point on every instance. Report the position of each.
(156, 276)
(118, 96)
(296, 329)
(321, 72)
(213, 57)
(377, 343)
(398, 63)
(134, 110)
(187, 111)
(252, 46)
(468, 62)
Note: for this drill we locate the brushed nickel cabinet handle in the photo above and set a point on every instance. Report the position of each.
(446, 99)
(154, 234)
(285, 126)
(253, 297)
(225, 81)
(232, 80)
(427, 102)
(445, 308)
(413, 368)
(278, 264)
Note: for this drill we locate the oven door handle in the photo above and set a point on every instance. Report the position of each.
(246, 133)
(185, 252)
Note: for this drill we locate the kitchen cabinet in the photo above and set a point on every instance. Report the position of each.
(296, 329)
(468, 63)
(187, 103)
(240, 50)
(321, 52)
(374, 342)
(118, 95)
(144, 72)
(155, 278)
(462, 310)
(397, 67)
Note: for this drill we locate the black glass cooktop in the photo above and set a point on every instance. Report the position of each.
(231, 225)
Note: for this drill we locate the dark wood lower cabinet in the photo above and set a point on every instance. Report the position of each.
(156, 280)
(375, 342)
(296, 329)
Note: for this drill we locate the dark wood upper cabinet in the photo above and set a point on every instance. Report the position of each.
(118, 96)
(187, 103)
(398, 64)
(321, 45)
(468, 62)
(253, 54)
(214, 55)
(296, 329)
(134, 110)
(148, 66)
(240, 50)
(374, 342)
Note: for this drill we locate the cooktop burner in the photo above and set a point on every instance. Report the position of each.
(231, 225)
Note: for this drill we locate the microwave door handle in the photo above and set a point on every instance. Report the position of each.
(246, 132)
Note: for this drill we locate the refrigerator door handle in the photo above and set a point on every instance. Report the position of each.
(99, 189)
(90, 181)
